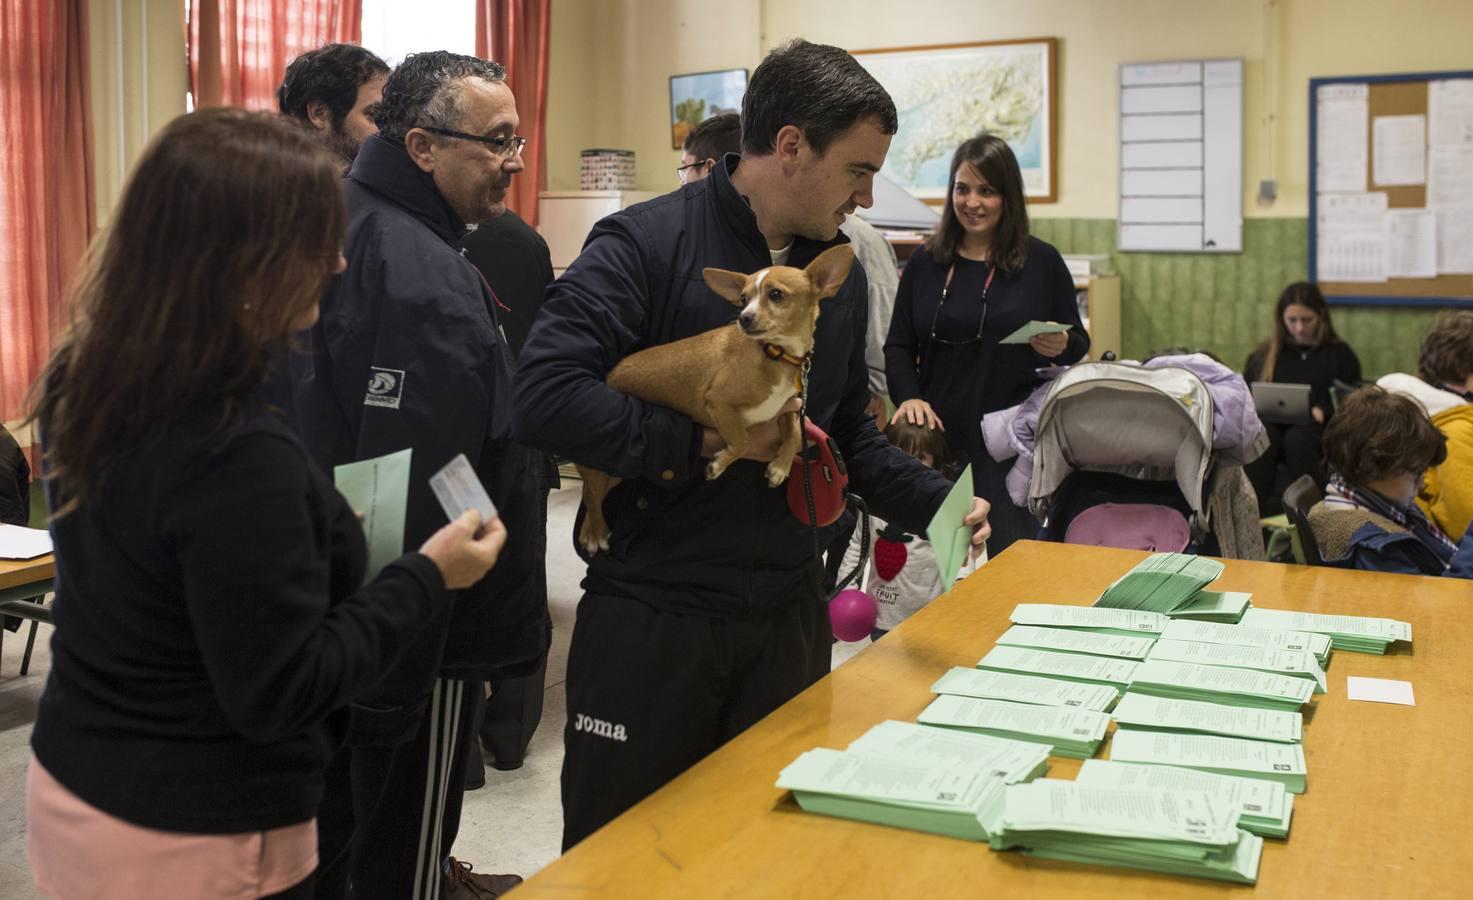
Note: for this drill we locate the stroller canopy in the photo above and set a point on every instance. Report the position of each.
(1150, 424)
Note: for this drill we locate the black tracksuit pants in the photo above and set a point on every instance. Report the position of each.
(390, 813)
(651, 692)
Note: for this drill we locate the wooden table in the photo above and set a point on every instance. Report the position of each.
(33, 574)
(1388, 812)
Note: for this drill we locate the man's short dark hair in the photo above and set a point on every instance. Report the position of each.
(1377, 434)
(715, 137)
(330, 74)
(821, 89)
(424, 92)
(1447, 348)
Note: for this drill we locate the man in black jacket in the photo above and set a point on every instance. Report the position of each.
(336, 90)
(704, 615)
(408, 353)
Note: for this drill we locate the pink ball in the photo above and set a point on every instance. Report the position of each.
(852, 614)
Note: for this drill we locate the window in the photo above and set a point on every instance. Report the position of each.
(393, 28)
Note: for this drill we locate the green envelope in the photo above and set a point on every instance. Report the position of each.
(379, 489)
(1032, 329)
(949, 537)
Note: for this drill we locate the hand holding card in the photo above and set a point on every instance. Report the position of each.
(458, 489)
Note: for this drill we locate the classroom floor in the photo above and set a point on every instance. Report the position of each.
(513, 824)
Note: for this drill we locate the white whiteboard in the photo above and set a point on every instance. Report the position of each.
(1181, 157)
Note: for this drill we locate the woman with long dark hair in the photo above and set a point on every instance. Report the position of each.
(212, 620)
(980, 277)
(1303, 348)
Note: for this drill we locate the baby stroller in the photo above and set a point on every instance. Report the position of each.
(1124, 459)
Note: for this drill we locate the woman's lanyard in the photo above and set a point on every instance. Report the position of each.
(946, 291)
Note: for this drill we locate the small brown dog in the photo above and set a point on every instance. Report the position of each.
(733, 377)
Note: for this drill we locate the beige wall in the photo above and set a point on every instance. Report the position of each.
(633, 46)
(134, 96)
(611, 61)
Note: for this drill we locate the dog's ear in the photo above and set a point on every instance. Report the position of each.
(828, 271)
(727, 284)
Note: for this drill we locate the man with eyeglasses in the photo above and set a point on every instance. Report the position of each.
(409, 354)
(707, 143)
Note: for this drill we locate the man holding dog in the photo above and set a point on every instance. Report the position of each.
(703, 616)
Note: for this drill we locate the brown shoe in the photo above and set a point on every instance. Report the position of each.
(477, 885)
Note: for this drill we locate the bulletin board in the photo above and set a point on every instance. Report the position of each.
(1423, 204)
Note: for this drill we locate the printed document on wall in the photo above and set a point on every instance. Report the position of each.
(1450, 112)
(1340, 138)
(1400, 152)
(1411, 243)
(1351, 234)
(1454, 240)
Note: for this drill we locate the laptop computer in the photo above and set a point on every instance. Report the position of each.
(1282, 404)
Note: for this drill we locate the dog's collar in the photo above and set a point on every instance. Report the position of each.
(802, 363)
(774, 352)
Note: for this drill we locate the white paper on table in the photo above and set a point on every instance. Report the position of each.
(1450, 175)
(1379, 690)
(1399, 151)
(1454, 240)
(17, 542)
(1357, 257)
(1340, 139)
(1411, 243)
(1450, 112)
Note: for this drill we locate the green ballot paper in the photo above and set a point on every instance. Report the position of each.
(1032, 329)
(1162, 583)
(1178, 832)
(918, 794)
(379, 489)
(949, 537)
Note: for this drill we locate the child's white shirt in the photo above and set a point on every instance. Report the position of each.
(901, 575)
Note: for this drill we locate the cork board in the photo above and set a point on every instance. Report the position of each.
(1389, 95)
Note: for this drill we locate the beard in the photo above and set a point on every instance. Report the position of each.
(341, 143)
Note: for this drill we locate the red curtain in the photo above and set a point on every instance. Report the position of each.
(515, 34)
(47, 191)
(238, 49)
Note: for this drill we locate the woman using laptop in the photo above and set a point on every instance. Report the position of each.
(979, 278)
(1302, 349)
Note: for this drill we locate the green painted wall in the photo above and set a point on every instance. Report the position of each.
(1224, 302)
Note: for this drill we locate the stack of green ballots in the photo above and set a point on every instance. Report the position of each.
(921, 796)
(1161, 583)
(1070, 732)
(1293, 663)
(1264, 807)
(1190, 833)
(1214, 606)
(1220, 684)
(910, 776)
(1012, 761)
(1032, 689)
(1096, 619)
(1241, 757)
(1359, 634)
(1066, 641)
(1163, 714)
(1249, 636)
(1065, 666)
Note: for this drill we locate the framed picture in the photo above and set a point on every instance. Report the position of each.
(697, 97)
(950, 92)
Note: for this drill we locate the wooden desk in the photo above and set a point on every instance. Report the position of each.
(27, 572)
(1388, 812)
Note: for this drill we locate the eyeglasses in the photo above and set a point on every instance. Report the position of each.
(682, 173)
(945, 290)
(505, 147)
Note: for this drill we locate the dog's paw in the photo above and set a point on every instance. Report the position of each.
(714, 470)
(593, 540)
(776, 475)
